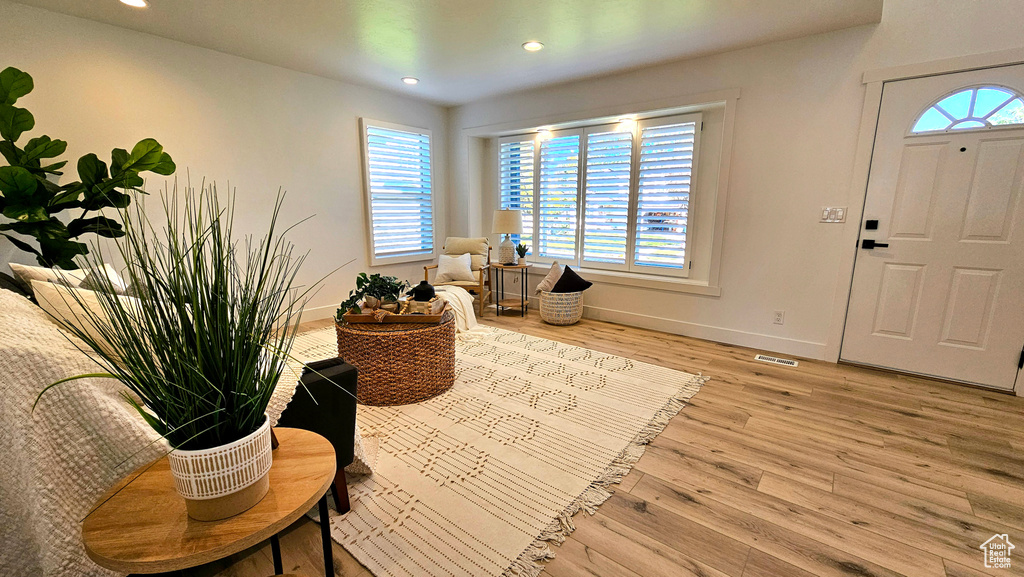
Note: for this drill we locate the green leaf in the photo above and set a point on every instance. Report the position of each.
(22, 245)
(66, 199)
(100, 225)
(17, 183)
(54, 168)
(43, 147)
(11, 152)
(146, 155)
(14, 121)
(91, 170)
(13, 85)
(165, 166)
(61, 253)
(118, 158)
(23, 213)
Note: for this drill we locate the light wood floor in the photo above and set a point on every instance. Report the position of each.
(821, 469)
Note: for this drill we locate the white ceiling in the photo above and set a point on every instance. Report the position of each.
(465, 50)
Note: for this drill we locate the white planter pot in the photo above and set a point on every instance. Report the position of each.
(223, 481)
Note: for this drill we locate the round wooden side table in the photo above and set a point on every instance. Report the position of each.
(141, 525)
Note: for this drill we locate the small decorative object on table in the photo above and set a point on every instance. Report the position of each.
(521, 250)
(422, 292)
(413, 307)
(507, 222)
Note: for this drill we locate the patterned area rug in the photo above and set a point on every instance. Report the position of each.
(476, 481)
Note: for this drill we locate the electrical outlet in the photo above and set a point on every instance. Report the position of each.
(779, 318)
(833, 214)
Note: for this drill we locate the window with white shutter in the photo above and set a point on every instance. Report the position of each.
(399, 192)
(557, 197)
(666, 166)
(516, 166)
(606, 197)
(626, 205)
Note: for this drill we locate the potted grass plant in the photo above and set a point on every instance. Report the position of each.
(201, 347)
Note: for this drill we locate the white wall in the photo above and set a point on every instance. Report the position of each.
(796, 131)
(222, 118)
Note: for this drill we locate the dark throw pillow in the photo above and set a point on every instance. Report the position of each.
(571, 282)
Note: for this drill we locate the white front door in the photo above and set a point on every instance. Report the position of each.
(942, 292)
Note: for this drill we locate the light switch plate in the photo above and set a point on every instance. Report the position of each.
(833, 214)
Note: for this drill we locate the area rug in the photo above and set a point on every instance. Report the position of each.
(476, 482)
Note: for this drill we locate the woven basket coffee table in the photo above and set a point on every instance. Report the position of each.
(399, 363)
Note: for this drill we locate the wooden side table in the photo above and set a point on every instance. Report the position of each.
(522, 303)
(141, 525)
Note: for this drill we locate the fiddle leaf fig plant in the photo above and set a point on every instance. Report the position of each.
(31, 198)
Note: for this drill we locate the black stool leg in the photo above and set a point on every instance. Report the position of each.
(325, 537)
(275, 550)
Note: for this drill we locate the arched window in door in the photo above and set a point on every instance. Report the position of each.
(972, 108)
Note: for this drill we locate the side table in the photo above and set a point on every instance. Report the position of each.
(522, 303)
(141, 525)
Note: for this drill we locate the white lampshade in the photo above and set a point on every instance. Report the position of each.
(508, 221)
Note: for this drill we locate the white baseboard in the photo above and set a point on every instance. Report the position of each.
(767, 343)
(319, 313)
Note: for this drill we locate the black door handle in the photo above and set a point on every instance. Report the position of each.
(870, 244)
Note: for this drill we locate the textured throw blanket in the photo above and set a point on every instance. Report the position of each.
(56, 462)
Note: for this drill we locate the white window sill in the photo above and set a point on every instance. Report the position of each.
(664, 283)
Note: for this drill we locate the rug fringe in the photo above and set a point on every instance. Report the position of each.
(531, 561)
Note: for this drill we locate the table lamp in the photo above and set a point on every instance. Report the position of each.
(507, 222)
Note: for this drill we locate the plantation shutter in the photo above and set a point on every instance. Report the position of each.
(516, 177)
(663, 197)
(559, 179)
(606, 198)
(400, 194)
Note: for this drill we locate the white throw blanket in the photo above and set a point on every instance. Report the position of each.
(462, 305)
(55, 463)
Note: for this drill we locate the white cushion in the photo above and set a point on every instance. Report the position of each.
(548, 282)
(67, 306)
(476, 247)
(26, 274)
(94, 280)
(453, 268)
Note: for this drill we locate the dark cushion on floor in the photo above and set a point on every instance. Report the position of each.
(571, 282)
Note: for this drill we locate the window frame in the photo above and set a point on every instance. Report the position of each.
(583, 132)
(691, 203)
(580, 163)
(364, 125)
(631, 204)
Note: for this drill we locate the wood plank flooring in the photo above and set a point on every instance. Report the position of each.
(821, 469)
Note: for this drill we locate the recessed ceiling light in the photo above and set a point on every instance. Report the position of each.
(135, 3)
(630, 118)
(410, 80)
(532, 46)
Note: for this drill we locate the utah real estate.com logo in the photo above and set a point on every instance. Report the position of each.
(997, 551)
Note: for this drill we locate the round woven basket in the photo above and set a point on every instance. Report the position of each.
(399, 363)
(561, 308)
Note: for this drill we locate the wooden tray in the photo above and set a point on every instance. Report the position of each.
(393, 319)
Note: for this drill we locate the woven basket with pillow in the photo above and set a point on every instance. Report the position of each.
(561, 308)
(561, 296)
